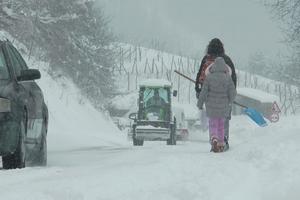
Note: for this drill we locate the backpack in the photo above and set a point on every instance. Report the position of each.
(208, 62)
(205, 69)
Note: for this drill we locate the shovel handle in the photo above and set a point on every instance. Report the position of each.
(188, 78)
(243, 106)
(181, 74)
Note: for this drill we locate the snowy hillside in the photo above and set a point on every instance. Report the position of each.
(89, 159)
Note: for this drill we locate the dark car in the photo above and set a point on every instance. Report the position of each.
(23, 112)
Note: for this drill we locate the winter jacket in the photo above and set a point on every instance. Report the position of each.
(227, 61)
(218, 91)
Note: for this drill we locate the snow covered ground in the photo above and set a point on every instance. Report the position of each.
(263, 163)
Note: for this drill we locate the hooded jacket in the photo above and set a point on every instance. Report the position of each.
(218, 91)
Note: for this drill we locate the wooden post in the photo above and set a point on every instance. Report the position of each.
(178, 91)
(190, 92)
(136, 81)
(128, 86)
(153, 62)
(140, 53)
(162, 65)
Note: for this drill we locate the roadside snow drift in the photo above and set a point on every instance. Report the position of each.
(73, 121)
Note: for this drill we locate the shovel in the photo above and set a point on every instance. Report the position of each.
(256, 116)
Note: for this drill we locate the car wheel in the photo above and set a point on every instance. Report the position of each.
(172, 140)
(41, 152)
(17, 159)
(141, 142)
(137, 142)
(42, 157)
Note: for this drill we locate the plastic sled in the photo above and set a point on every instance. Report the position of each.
(256, 117)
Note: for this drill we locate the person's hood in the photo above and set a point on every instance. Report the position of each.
(219, 65)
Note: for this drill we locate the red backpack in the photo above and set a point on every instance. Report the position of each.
(209, 61)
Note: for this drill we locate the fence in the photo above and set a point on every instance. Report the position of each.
(136, 63)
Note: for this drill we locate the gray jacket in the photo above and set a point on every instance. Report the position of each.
(218, 91)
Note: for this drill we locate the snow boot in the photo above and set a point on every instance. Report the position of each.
(214, 145)
(220, 147)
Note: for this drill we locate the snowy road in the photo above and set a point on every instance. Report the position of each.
(253, 169)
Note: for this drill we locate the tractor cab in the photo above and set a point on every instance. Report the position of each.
(154, 104)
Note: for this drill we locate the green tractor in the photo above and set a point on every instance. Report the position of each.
(154, 120)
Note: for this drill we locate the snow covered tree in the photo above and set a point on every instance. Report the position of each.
(74, 37)
(288, 11)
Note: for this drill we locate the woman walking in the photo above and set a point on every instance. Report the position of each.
(217, 93)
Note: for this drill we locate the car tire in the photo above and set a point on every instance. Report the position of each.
(137, 142)
(41, 152)
(172, 140)
(18, 158)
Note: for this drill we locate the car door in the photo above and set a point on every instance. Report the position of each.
(34, 102)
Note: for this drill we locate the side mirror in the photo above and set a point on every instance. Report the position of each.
(175, 93)
(29, 75)
(133, 116)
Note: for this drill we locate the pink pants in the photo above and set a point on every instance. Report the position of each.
(216, 129)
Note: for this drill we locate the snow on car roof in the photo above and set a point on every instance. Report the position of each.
(257, 94)
(155, 83)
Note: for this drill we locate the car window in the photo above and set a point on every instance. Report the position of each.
(15, 62)
(19, 57)
(3, 67)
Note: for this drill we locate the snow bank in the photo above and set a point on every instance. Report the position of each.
(258, 95)
(73, 121)
(125, 101)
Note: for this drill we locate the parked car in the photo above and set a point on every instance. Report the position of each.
(23, 112)
(154, 119)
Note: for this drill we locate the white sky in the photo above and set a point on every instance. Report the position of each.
(244, 26)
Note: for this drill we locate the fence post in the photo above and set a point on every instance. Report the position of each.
(136, 80)
(190, 92)
(128, 86)
(152, 70)
(178, 91)
(162, 65)
(140, 53)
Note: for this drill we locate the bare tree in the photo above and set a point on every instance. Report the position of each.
(288, 12)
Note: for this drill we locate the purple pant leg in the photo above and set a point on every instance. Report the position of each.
(220, 132)
(213, 128)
